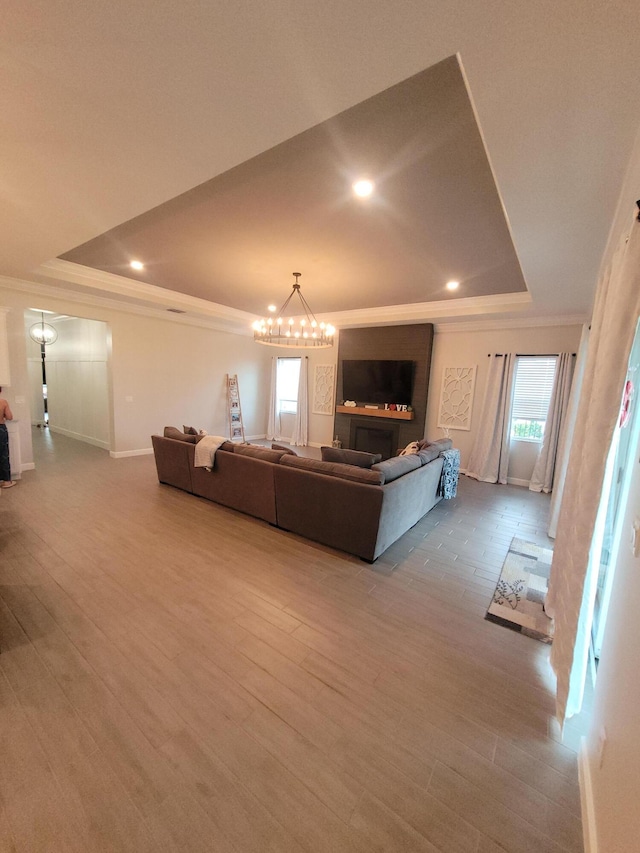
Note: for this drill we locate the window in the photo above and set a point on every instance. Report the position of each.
(531, 396)
(287, 385)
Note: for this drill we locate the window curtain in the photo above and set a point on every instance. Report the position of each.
(301, 425)
(566, 433)
(573, 581)
(273, 421)
(489, 459)
(543, 475)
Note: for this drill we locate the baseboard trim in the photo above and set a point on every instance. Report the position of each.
(78, 436)
(589, 833)
(28, 466)
(123, 454)
(516, 481)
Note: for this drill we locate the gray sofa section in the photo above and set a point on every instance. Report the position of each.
(353, 513)
(358, 510)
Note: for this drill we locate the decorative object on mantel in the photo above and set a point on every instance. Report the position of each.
(518, 602)
(352, 409)
(323, 380)
(456, 399)
(285, 331)
(350, 404)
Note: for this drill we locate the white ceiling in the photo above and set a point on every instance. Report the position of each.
(110, 110)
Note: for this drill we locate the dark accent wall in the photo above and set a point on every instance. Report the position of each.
(404, 343)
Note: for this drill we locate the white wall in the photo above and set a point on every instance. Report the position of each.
(467, 348)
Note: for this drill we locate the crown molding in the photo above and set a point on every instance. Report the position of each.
(101, 289)
(107, 303)
(390, 315)
(492, 324)
(148, 294)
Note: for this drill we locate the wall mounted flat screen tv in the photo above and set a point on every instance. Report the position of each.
(378, 381)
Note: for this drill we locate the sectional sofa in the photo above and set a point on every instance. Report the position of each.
(360, 510)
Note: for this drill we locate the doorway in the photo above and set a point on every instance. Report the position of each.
(67, 362)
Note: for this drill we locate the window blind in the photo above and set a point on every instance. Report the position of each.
(533, 386)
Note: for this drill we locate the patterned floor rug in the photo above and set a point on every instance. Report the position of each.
(519, 597)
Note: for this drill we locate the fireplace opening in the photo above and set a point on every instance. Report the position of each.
(373, 438)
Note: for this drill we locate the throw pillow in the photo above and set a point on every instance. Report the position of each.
(189, 430)
(284, 449)
(174, 432)
(410, 449)
(350, 457)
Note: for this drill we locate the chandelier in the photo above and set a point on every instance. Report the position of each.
(43, 333)
(300, 330)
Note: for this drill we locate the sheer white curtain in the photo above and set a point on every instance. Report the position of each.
(566, 433)
(573, 582)
(301, 425)
(273, 421)
(543, 475)
(489, 459)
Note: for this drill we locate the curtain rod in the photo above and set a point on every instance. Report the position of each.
(529, 354)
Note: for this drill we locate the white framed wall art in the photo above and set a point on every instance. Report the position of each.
(456, 399)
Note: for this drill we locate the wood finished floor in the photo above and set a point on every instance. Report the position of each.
(176, 676)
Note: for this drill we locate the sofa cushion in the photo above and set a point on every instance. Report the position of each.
(258, 452)
(284, 449)
(393, 468)
(228, 446)
(428, 454)
(350, 457)
(440, 443)
(334, 469)
(174, 432)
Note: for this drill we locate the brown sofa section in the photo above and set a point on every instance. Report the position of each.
(174, 461)
(240, 480)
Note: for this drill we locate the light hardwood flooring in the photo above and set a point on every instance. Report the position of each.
(176, 676)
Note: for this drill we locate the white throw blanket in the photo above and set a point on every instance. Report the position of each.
(206, 451)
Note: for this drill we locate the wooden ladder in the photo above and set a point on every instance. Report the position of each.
(236, 426)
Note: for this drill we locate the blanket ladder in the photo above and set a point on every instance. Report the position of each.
(236, 427)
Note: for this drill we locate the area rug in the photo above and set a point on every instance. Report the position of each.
(518, 602)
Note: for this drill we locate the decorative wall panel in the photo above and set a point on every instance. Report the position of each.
(323, 389)
(456, 399)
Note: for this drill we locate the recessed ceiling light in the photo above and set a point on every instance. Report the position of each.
(363, 188)
(453, 285)
(136, 265)
(271, 308)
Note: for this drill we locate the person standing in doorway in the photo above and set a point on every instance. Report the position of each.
(5, 466)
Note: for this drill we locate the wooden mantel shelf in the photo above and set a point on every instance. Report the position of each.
(374, 413)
